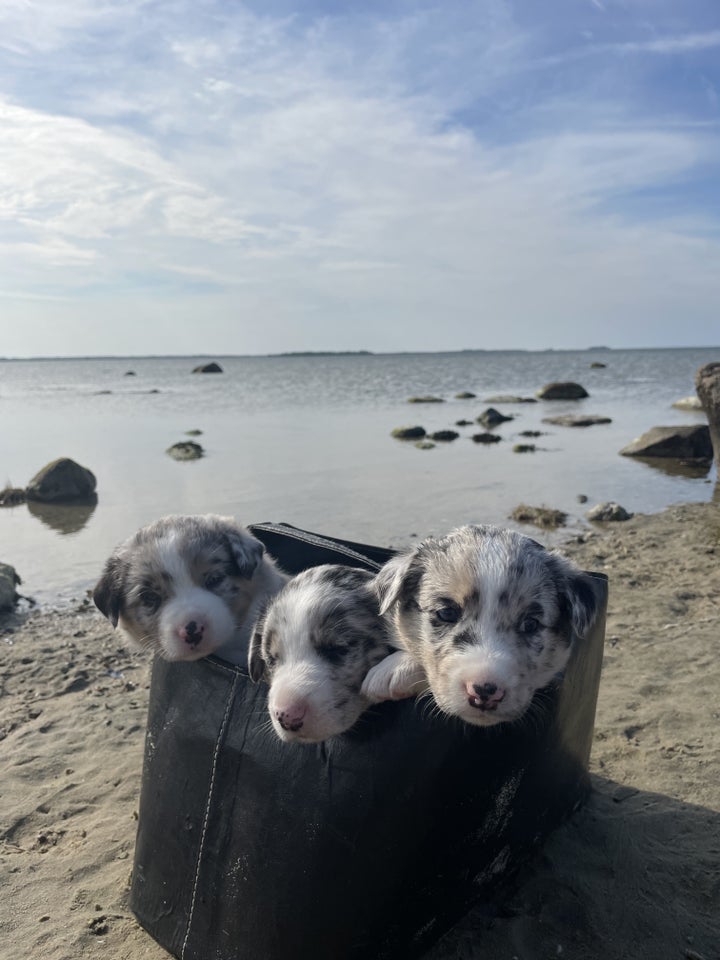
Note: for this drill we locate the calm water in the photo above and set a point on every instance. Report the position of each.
(306, 440)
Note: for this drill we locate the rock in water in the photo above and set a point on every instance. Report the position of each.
(61, 481)
(208, 368)
(707, 384)
(680, 442)
(562, 390)
(492, 417)
(185, 450)
(408, 433)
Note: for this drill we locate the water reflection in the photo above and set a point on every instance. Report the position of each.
(692, 469)
(64, 517)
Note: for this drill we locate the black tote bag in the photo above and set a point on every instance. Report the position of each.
(369, 846)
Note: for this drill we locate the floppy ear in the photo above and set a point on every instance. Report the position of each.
(246, 551)
(583, 601)
(397, 580)
(109, 592)
(256, 664)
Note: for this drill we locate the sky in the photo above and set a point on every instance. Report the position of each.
(219, 177)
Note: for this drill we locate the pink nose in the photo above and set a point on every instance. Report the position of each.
(291, 717)
(192, 632)
(484, 696)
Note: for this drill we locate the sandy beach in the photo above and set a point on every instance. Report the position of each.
(634, 874)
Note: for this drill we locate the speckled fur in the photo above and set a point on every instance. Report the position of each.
(487, 615)
(187, 586)
(314, 645)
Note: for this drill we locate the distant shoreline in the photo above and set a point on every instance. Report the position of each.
(353, 353)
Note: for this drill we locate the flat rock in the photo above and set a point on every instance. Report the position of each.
(61, 481)
(424, 445)
(408, 433)
(524, 448)
(465, 395)
(562, 390)
(688, 403)
(427, 399)
(444, 435)
(9, 579)
(486, 438)
(509, 398)
(570, 420)
(608, 511)
(681, 442)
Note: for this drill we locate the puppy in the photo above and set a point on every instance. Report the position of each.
(188, 586)
(484, 618)
(314, 645)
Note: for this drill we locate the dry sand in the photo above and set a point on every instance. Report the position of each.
(633, 875)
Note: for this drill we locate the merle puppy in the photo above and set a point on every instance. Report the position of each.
(314, 645)
(484, 618)
(188, 586)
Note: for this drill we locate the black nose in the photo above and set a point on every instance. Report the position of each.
(485, 690)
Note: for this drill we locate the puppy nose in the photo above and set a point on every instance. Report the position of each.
(291, 719)
(485, 696)
(192, 632)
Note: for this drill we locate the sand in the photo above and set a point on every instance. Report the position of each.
(634, 874)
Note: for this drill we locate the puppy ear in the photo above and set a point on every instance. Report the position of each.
(256, 664)
(246, 551)
(109, 592)
(583, 601)
(397, 580)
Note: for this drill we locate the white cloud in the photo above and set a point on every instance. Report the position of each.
(316, 177)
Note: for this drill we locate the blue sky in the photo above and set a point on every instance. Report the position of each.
(218, 177)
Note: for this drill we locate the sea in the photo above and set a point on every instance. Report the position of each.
(306, 440)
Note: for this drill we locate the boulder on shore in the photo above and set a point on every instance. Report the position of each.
(9, 579)
(570, 420)
(208, 368)
(12, 496)
(185, 450)
(609, 510)
(61, 481)
(681, 442)
(562, 390)
(707, 384)
(465, 395)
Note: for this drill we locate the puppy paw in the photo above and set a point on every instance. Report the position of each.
(396, 677)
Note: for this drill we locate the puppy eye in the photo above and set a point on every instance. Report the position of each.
(530, 625)
(150, 599)
(270, 659)
(450, 613)
(214, 579)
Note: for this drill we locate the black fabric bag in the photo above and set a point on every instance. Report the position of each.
(369, 846)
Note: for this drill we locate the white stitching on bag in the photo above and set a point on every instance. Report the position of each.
(218, 742)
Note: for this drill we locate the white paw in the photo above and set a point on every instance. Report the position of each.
(396, 677)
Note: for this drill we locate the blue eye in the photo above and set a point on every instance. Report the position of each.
(449, 613)
(530, 625)
(213, 580)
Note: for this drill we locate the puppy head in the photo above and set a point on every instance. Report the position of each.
(181, 585)
(314, 645)
(490, 615)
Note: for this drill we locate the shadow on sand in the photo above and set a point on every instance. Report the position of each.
(632, 876)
